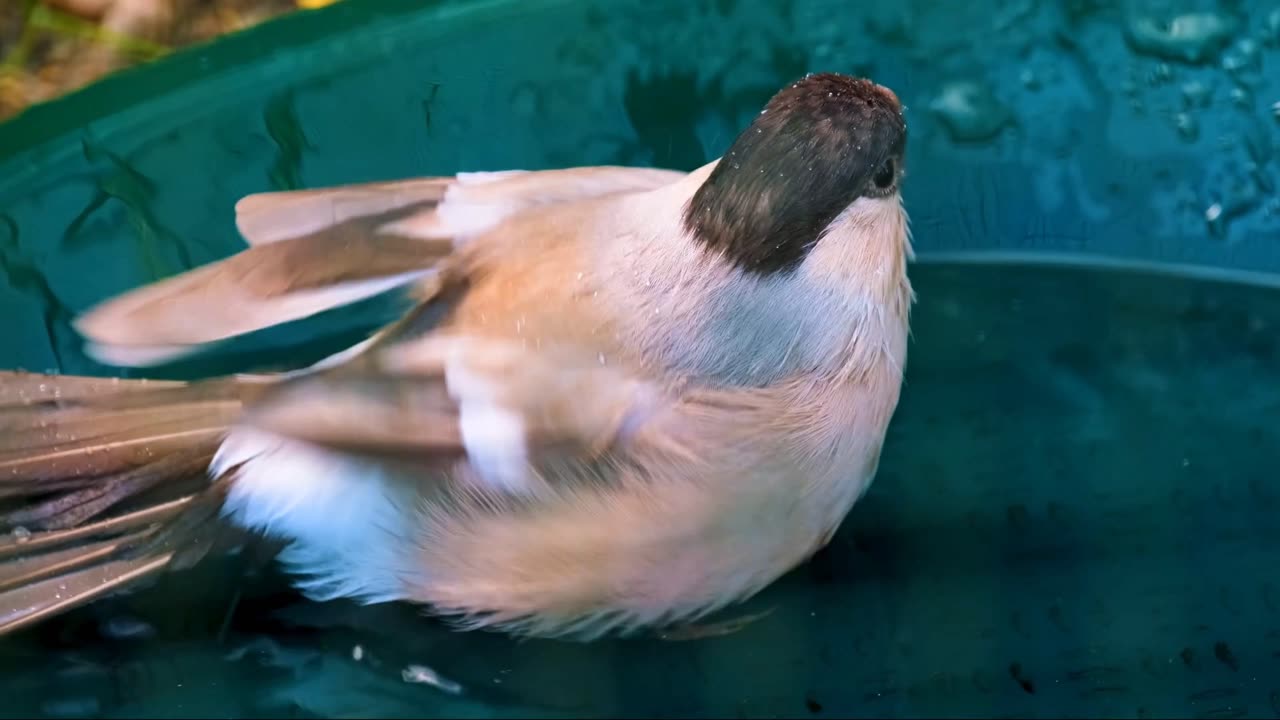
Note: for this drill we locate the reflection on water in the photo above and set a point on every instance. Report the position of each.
(1075, 515)
(1075, 509)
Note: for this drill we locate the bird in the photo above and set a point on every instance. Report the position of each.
(618, 399)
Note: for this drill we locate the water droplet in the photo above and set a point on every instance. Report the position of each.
(1246, 56)
(21, 535)
(970, 111)
(1275, 110)
(1194, 37)
(1216, 220)
(525, 100)
(1161, 74)
(1196, 94)
(1188, 128)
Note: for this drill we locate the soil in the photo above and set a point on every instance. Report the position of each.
(51, 47)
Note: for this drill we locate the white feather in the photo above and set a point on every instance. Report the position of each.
(483, 377)
(487, 176)
(273, 216)
(495, 442)
(304, 303)
(235, 317)
(348, 520)
(456, 216)
(138, 355)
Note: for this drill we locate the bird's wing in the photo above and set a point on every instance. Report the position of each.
(502, 408)
(547, 480)
(461, 204)
(316, 250)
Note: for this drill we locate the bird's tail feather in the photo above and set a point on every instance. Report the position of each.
(103, 484)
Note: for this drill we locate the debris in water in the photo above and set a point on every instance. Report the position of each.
(269, 653)
(423, 675)
(121, 628)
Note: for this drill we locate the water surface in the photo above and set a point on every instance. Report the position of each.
(1075, 515)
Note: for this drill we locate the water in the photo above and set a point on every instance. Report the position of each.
(1075, 511)
(1075, 515)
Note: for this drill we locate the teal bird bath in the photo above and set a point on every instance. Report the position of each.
(1076, 509)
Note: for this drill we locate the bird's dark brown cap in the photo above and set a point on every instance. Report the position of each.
(818, 145)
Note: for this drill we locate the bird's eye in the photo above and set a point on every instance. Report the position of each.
(885, 176)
